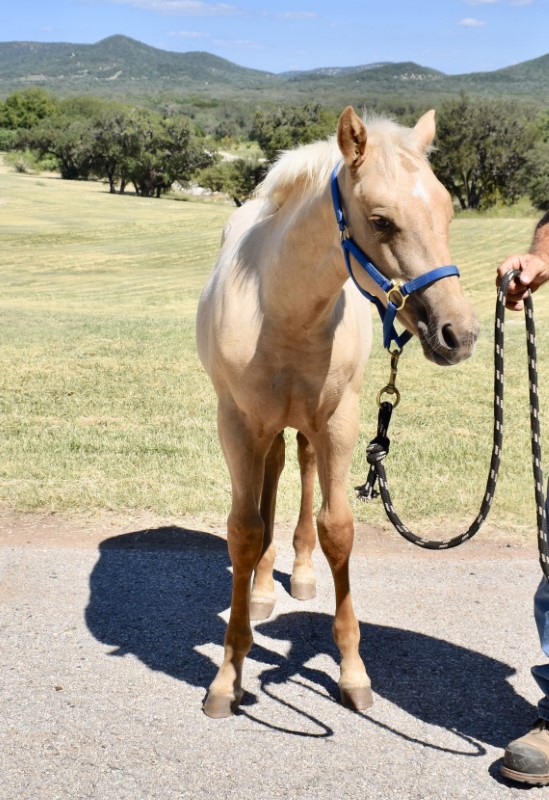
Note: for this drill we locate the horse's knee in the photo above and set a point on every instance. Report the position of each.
(334, 519)
(336, 534)
(245, 540)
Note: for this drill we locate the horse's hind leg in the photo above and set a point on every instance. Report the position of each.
(263, 594)
(302, 582)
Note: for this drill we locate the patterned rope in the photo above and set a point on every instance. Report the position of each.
(379, 447)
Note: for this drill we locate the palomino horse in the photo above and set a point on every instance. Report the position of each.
(284, 336)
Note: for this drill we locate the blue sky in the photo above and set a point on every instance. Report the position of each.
(454, 36)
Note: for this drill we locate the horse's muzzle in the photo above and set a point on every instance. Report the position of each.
(446, 344)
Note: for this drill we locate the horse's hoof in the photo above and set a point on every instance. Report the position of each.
(303, 590)
(218, 706)
(359, 698)
(261, 608)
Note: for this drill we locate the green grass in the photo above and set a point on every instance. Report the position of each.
(104, 405)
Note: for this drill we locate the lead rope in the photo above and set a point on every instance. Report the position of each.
(379, 446)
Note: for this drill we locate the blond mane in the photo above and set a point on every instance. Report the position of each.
(310, 166)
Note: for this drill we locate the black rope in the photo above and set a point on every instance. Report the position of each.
(379, 447)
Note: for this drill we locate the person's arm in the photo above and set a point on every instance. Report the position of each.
(534, 266)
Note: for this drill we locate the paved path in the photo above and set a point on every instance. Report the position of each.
(106, 652)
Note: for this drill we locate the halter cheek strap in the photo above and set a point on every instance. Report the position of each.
(396, 292)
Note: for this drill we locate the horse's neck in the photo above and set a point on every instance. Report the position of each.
(304, 270)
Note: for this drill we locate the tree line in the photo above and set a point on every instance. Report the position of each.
(486, 151)
(88, 137)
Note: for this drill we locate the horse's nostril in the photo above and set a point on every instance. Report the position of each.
(448, 337)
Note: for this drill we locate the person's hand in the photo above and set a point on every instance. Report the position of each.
(534, 271)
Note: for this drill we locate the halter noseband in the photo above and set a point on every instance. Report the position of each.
(396, 292)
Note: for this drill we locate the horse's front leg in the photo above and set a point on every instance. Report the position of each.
(245, 456)
(336, 533)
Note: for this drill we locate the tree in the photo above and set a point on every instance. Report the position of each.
(538, 191)
(23, 110)
(117, 142)
(89, 137)
(170, 151)
(236, 178)
(537, 169)
(8, 139)
(69, 140)
(183, 151)
(482, 150)
(67, 134)
(288, 126)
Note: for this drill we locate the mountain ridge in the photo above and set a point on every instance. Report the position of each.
(119, 65)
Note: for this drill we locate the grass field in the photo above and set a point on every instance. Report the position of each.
(104, 404)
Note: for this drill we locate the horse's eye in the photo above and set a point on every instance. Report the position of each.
(381, 224)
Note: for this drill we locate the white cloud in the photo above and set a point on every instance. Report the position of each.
(181, 8)
(471, 22)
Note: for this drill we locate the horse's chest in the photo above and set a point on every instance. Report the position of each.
(283, 376)
(290, 387)
(296, 397)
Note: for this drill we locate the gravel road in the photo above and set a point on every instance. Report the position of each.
(109, 643)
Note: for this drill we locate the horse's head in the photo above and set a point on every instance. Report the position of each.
(398, 213)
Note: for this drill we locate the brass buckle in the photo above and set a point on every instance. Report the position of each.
(390, 388)
(401, 301)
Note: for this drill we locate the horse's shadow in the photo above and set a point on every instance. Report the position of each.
(158, 594)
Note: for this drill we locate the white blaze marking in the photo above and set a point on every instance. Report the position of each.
(420, 191)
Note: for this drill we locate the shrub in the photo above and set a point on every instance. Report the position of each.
(25, 161)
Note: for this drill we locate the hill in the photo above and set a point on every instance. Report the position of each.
(64, 67)
(119, 66)
(528, 80)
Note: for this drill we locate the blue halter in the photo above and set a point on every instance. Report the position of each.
(395, 291)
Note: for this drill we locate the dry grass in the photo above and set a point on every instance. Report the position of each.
(104, 404)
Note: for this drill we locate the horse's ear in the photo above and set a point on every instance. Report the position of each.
(351, 138)
(425, 130)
